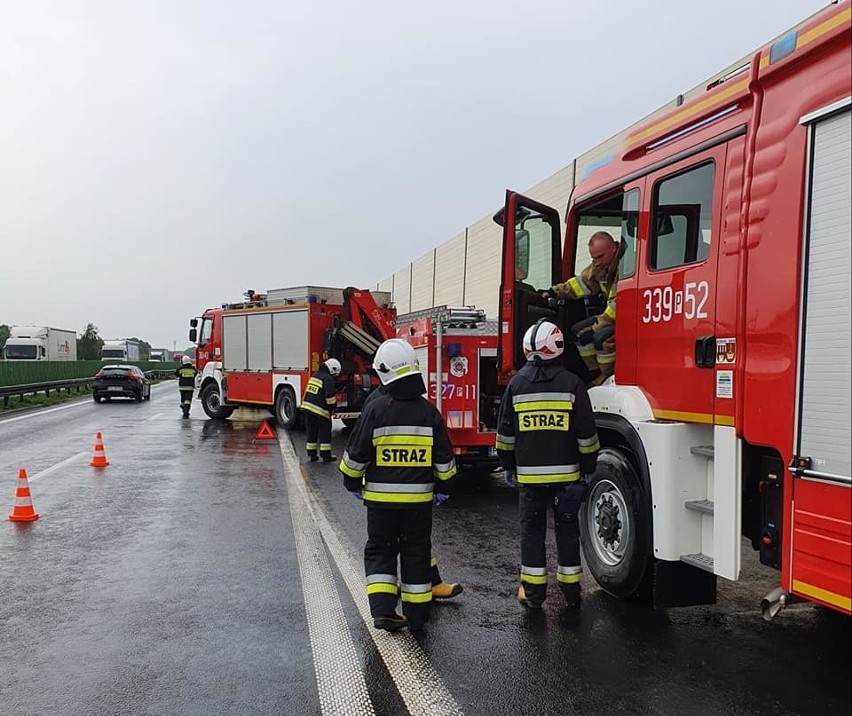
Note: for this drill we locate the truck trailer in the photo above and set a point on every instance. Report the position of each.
(121, 350)
(40, 343)
(728, 418)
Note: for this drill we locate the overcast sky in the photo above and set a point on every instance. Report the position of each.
(158, 158)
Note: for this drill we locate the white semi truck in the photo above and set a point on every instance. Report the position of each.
(40, 343)
(122, 349)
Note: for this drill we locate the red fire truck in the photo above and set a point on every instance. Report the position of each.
(729, 415)
(457, 350)
(260, 352)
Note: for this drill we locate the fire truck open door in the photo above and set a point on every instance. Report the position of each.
(532, 263)
(821, 535)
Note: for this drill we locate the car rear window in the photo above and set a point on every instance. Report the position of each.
(116, 372)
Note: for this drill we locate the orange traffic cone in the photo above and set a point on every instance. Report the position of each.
(99, 457)
(23, 510)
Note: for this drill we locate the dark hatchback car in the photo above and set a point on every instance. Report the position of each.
(121, 381)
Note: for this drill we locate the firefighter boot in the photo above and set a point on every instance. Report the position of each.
(390, 622)
(312, 455)
(326, 456)
(522, 598)
(185, 409)
(446, 590)
(571, 592)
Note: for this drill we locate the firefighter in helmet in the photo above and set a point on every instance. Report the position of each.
(319, 403)
(441, 590)
(185, 374)
(397, 450)
(596, 334)
(547, 442)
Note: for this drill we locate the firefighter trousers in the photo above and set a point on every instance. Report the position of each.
(318, 435)
(405, 534)
(185, 397)
(533, 503)
(599, 356)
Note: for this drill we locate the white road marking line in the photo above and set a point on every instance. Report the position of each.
(340, 677)
(43, 412)
(57, 466)
(418, 683)
(154, 417)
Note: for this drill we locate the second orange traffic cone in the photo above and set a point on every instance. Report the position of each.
(23, 510)
(99, 456)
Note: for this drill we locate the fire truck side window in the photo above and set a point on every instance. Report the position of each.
(629, 230)
(681, 218)
(603, 216)
(535, 267)
(206, 331)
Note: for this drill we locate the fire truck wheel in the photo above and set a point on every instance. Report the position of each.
(212, 403)
(286, 412)
(613, 530)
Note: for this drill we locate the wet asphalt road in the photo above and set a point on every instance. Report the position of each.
(173, 582)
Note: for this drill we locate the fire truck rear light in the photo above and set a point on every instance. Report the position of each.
(460, 451)
(766, 539)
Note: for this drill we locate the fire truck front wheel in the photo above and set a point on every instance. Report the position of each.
(614, 531)
(211, 401)
(286, 411)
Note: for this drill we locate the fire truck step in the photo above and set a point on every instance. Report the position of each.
(704, 450)
(702, 561)
(705, 506)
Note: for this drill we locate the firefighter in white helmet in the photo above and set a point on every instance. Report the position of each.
(319, 403)
(185, 374)
(441, 590)
(396, 452)
(546, 437)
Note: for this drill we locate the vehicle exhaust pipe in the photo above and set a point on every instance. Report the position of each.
(773, 603)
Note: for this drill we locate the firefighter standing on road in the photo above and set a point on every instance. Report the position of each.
(595, 335)
(397, 450)
(318, 403)
(186, 383)
(546, 437)
(441, 590)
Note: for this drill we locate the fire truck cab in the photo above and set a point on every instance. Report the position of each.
(729, 413)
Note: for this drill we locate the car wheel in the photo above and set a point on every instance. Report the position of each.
(97, 398)
(138, 396)
(211, 401)
(614, 529)
(148, 395)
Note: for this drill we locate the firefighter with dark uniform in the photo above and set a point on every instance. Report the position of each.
(185, 374)
(547, 439)
(441, 590)
(396, 452)
(318, 403)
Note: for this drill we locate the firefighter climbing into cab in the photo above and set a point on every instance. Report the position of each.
(319, 403)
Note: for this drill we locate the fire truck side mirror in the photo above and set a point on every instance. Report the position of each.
(193, 323)
(193, 335)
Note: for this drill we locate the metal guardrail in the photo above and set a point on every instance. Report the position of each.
(8, 391)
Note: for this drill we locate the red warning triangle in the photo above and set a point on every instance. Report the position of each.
(264, 432)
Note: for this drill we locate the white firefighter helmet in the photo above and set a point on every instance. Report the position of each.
(543, 340)
(186, 360)
(395, 359)
(333, 366)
